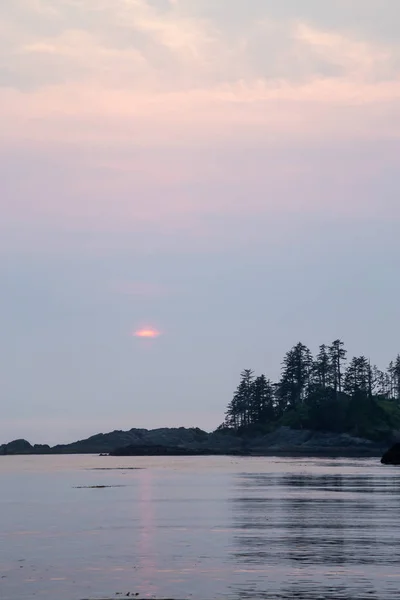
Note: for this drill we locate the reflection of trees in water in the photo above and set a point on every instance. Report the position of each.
(305, 532)
(303, 591)
(315, 525)
(313, 519)
(256, 518)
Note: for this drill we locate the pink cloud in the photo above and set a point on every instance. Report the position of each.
(169, 153)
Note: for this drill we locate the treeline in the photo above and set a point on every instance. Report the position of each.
(325, 392)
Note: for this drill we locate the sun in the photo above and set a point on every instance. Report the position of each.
(147, 332)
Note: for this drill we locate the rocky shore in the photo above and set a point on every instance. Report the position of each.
(194, 441)
(392, 456)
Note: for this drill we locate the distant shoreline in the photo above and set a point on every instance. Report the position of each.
(286, 453)
(283, 441)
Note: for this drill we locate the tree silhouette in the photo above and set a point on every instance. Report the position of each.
(319, 393)
(296, 374)
(396, 378)
(322, 368)
(337, 355)
(262, 401)
(238, 411)
(358, 376)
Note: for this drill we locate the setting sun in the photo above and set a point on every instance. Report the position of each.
(147, 333)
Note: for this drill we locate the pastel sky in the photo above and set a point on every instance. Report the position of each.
(225, 172)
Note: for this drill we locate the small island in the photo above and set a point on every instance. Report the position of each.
(321, 405)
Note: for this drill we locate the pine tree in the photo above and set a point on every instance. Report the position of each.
(358, 377)
(262, 401)
(246, 395)
(322, 368)
(320, 394)
(296, 376)
(382, 383)
(396, 378)
(337, 355)
(238, 411)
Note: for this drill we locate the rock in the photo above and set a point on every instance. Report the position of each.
(180, 441)
(302, 441)
(17, 447)
(107, 442)
(41, 448)
(392, 456)
(24, 447)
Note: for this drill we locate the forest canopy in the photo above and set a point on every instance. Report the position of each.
(326, 392)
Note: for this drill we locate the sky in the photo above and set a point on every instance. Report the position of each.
(225, 172)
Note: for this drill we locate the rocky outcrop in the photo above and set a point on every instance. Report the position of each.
(17, 447)
(107, 442)
(41, 449)
(194, 441)
(23, 447)
(392, 456)
(287, 440)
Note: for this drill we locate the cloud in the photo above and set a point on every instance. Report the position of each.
(108, 41)
(132, 44)
(131, 112)
(356, 59)
(89, 113)
(189, 38)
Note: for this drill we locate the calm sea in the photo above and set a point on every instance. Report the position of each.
(199, 528)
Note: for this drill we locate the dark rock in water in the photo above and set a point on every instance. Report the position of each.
(159, 450)
(392, 456)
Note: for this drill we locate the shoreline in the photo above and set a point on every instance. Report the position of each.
(283, 441)
(333, 452)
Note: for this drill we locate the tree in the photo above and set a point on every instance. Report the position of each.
(238, 411)
(322, 368)
(321, 394)
(296, 375)
(358, 377)
(262, 401)
(246, 395)
(382, 382)
(337, 355)
(396, 378)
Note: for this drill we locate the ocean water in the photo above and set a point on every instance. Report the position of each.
(198, 528)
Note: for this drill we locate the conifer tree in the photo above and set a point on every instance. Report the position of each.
(322, 368)
(262, 401)
(396, 373)
(296, 375)
(337, 355)
(358, 377)
(319, 394)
